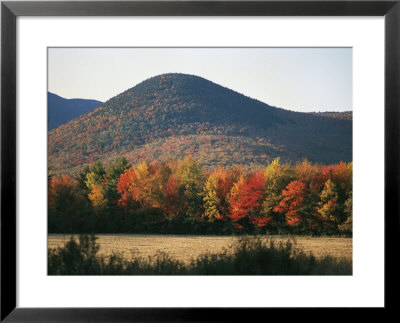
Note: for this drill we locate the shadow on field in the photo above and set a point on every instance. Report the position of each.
(248, 256)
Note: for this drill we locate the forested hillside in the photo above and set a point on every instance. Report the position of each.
(171, 116)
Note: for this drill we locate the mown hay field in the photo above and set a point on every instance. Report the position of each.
(187, 247)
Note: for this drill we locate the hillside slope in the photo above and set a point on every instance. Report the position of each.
(61, 110)
(172, 115)
(345, 115)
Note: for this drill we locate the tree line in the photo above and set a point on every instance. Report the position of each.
(179, 196)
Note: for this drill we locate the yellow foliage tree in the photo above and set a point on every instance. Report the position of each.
(96, 196)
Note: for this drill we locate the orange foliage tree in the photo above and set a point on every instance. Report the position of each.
(62, 186)
(96, 196)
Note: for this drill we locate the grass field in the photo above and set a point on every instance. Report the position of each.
(185, 248)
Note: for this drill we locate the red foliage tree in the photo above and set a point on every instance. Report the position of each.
(248, 198)
(123, 187)
(172, 199)
(293, 198)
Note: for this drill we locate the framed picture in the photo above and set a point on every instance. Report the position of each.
(190, 67)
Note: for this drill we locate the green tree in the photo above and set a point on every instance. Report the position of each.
(192, 181)
(113, 173)
(96, 175)
(82, 180)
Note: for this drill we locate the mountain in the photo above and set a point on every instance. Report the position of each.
(173, 115)
(61, 110)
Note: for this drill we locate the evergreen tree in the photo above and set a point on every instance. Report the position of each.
(113, 173)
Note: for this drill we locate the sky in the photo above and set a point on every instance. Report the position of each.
(297, 79)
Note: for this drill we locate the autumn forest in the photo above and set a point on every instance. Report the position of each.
(179, 196)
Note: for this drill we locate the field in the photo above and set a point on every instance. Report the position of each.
(186, 247)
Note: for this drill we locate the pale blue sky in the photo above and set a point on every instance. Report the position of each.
(299, 79)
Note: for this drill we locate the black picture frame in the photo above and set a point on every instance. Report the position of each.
(10, 10)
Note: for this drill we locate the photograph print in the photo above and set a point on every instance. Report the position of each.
(199, 161)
